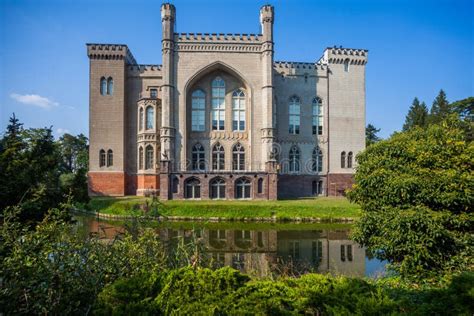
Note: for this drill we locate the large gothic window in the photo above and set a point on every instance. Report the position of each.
(140, 119)
(317, 116)
(198, 104)
(149, 153)
(238, 110)
(110, 86)
(198, 158)
(294, 159)
(343, 159)
(103, 86)
(150, 117)
(217, 189)
(317, 165)
(238, 157)
(192, 189)
(218, 104)
(242, 188)
(218, 161)
(294, 117)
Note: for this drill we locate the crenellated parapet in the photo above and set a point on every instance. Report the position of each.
(339, 55)
(111, 52)
(145, 70)
(298, 68)
(206, 42)
(218, 38)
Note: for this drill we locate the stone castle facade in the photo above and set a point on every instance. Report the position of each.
(220, 119)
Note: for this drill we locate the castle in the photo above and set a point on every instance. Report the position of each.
(220, 119)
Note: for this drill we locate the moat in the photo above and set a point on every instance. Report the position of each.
(260, 249)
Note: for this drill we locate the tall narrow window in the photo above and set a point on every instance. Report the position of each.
(218, 162)
(140, 119)
(343, 253)
(192, 189)
(317, 165)
(346, 65)
(140, 158)
(242, 188)
(320, 187)
(103, 86)
(150, 117)
(343, 159)
(102, 158)
(260, 186)
(198, 104)
(294, 117)
(349, 160)
(217, 189)
(149, 153)
(153, 93)
(197, 157)
(218, 104)
(317, 116)
(238, 110)
(294, 159)
(110, 158)
(110, 86)
(238, 157)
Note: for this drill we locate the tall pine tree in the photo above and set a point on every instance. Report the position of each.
(440, 108)
(417, 115)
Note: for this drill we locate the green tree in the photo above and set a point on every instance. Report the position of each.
(464, 108)
(416, 193)
(417, 115)
(440, 108)
(371, 135)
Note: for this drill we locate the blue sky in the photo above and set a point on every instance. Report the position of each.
(415, 48)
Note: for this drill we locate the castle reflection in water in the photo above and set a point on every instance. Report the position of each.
(262, 251)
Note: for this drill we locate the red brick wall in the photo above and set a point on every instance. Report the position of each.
(148, 181)
(106, 183)
(339, 183)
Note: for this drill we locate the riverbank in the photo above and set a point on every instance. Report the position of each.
(321, 209)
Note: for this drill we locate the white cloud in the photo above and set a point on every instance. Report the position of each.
(34, 99)
(61, 131)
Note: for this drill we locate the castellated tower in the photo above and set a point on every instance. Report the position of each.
(107, 119)
(220, 119)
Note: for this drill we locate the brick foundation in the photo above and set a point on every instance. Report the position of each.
(147, 183)
(106, 183)
(296, 186)
(339, 183)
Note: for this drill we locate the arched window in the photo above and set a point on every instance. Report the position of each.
(103, 86)
(238, 157)
(102, 158)
(349, 160)
(346, 65)
(294, 115)
(218, 104)
(320, 187)
(217, 189)
(198, 105)
(175, 185)
(343, 159)
(110, 158)
(110, 86)
(294, 159)
(260, 186)
(218, 162)
(317, 116)
(238, 110)
(140, 119)
(149, 153)
(317, 165)
(140, 158)
(242, 188)
(197, 157)
(192, 189)
(150, 117)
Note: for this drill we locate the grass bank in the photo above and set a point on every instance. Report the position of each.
(324, 208)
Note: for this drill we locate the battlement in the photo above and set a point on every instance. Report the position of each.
(297, 68)
(218, 38)
(144, 70)
(338, 55)
(110, 52)
(266, 14)
(168, 11)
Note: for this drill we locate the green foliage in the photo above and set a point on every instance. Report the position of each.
(440, 109)
(417, 115)
(371, 135)
(416, 193)
(197, 291)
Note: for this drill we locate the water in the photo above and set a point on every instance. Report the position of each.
(261, 248)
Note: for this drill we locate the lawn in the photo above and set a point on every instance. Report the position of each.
(325, 208)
